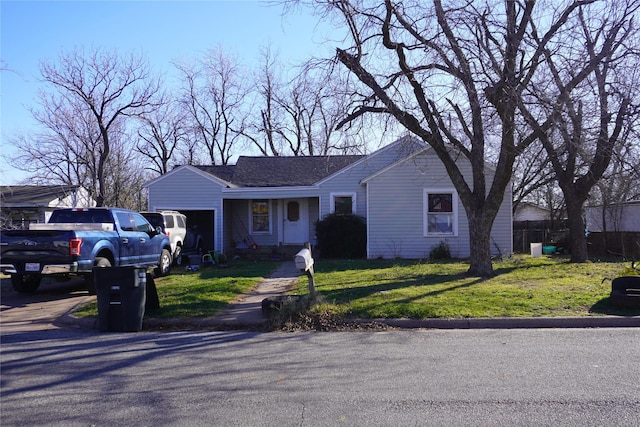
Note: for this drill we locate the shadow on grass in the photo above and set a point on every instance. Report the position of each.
(433, 284)
(340, 265)
(604, 306)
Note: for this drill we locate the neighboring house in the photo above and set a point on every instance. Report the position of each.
(526, 211)
(24, 204)
(614, 229)
(618, 217)
(535, 224)
(402, 190)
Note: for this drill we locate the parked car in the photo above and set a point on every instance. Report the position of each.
(174, 225)
(76, 240)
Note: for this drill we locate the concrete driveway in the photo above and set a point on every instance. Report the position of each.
(39, 311)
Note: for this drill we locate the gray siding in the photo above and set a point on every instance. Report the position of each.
(187, 190)
(348, 181)
(391, 199)
(314, 207)
(502, 231)
(395, 218)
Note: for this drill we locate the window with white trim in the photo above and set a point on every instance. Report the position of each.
(440, 212)
(343, 203)
(260, 216)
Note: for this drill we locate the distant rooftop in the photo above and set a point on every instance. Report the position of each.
(33, 195)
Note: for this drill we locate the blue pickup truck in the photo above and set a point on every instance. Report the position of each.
(76, 240)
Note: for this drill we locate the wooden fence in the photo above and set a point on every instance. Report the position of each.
(624, 244)
(545, 232)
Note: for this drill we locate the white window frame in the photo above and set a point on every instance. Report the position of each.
(354, 199)
(425, 211)
(270, 215)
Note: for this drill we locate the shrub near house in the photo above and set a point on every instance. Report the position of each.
(342, 236)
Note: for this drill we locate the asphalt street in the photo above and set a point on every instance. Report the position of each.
(53, 375)
(559, 377)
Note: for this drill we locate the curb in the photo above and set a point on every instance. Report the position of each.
(68, 320)
(509, 323)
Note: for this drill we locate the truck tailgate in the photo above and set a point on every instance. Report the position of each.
(20, 247)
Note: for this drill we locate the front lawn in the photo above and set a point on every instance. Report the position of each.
(524, 286)
(201, 293)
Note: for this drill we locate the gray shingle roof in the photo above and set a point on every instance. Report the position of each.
(224, 172)
(33, 195)
(280, 171)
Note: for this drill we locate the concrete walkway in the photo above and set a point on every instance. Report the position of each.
(247, 310)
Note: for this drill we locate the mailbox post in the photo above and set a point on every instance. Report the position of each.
(304, 262)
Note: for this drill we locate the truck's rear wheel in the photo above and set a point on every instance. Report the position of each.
(88, 279)
(25, 283)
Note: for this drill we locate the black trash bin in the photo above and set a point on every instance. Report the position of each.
(121, 293)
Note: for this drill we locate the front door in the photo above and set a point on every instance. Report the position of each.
(295, 229)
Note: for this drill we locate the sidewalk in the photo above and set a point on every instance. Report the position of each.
(247, 310)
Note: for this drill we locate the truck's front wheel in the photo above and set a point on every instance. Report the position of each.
(25, 283)
(165, 264)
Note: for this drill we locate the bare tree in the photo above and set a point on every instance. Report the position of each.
(531, 171)
(299, 109)
(265, 130)
(161, 134)
(214, 94)
(64, 151)
(65, 154)
(125, 176)
(619, 184)
(453, 76)
(589, 120)
(90, 95)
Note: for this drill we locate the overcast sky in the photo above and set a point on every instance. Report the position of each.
(32, 31)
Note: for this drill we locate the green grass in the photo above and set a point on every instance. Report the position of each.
(201, 293)
(523, 287)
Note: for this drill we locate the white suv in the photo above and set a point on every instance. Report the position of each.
(174, 225)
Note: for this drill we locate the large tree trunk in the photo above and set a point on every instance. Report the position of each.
(480, 244)
(577, 238)
(480, 247)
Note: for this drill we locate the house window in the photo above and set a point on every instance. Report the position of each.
(260, 216)
(343, 204)
(441, 213)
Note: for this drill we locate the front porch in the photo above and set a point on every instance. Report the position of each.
(273, 228)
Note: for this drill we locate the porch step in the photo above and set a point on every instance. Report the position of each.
(276, 253)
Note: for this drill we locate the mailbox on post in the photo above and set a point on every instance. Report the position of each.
(303, 259)
(304, 262)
